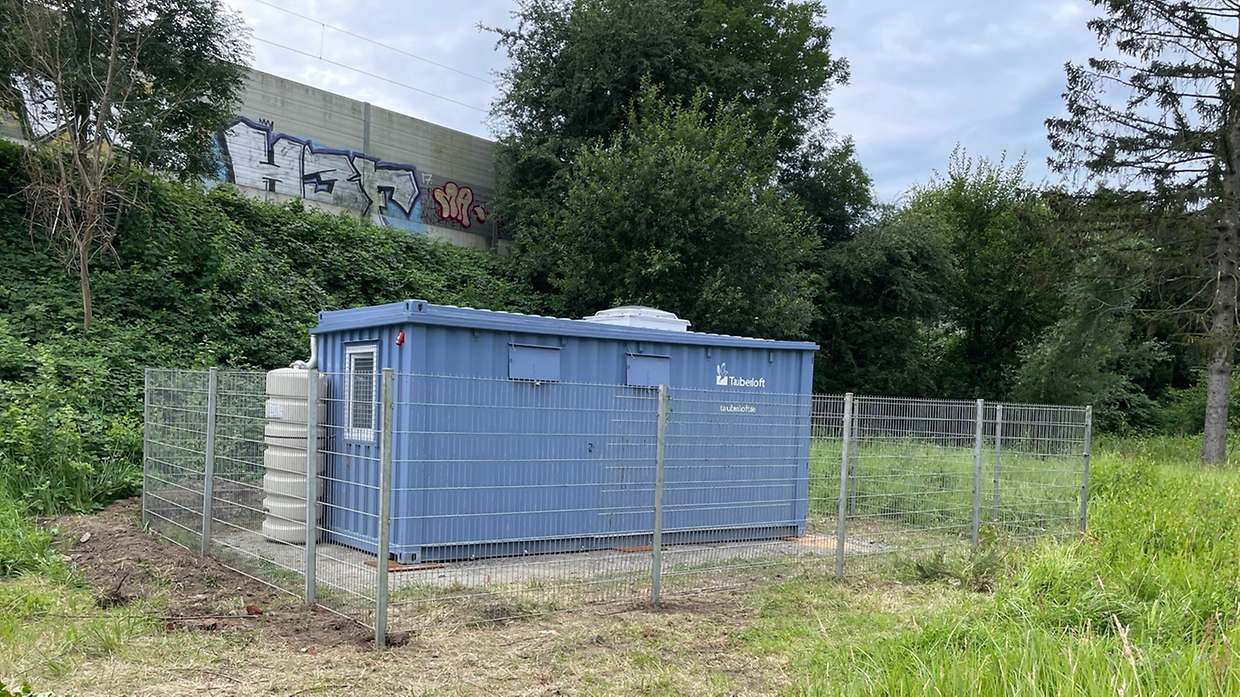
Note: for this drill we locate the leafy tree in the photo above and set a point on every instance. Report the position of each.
(1179, 129)
(107, 86)
(1005, 269)
(681, 211)
(879, 292)
(832, 186)
(1130, 302)
(578, 64)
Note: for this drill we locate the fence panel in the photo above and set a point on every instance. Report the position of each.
(174, 444)
(910, 481)
(745, 492)
(1041, 469)
(513, 497)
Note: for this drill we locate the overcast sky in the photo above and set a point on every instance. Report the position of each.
(926, 75)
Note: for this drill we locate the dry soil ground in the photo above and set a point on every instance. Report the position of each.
(153, 618)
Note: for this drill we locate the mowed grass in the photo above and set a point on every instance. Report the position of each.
(1145, 604)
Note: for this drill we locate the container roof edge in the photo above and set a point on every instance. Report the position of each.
(422, 312)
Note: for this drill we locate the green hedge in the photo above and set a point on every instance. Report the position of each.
(198, 277)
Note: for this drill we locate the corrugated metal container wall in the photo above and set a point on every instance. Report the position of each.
(551, 446)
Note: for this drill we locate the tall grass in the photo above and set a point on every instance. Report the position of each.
(24, 547)
(1147, 603)
(914, 484)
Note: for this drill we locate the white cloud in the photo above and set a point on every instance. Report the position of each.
(925, 75)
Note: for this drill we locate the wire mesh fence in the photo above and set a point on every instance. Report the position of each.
(435, 499)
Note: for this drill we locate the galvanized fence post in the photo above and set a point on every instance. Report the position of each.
(385, 507)
(660, 458)
(852, 472)
(208, 472)
(312, 481)
(385, 522)
(146, 445)
(998, 457)
(840, 532)
(1089, 426)
(977, 469)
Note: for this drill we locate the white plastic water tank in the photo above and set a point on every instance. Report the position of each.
(638, 316)
(284, 484)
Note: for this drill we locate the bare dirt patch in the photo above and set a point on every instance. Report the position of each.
(187, 591)
(691, 644)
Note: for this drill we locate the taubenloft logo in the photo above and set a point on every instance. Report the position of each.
(722, 379)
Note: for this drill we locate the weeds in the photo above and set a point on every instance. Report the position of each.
(1146, 603)
(23, 546)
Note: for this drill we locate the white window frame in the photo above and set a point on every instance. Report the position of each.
(350, 354)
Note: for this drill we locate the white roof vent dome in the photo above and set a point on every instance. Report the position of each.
(638, 316)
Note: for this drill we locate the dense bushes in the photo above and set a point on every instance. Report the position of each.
(198, 277)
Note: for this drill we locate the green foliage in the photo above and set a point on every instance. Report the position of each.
(1161, 107)
(168, 71)
(680, 212)
(976, 570)
(578, 65)
(832, 186)
(1005, 269)
(878, 291)
(24, 547)
(198, 279)
(1087, 360)
(1146, 604)
(211, 259)
(1183, 410)
(1173, 125)
(70, 427)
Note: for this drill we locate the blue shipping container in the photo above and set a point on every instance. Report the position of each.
(523, 434)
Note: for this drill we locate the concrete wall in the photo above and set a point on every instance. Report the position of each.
(11, 127)
(293, 140)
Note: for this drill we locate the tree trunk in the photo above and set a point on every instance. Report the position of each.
(1222, 326)
(1223, 321)
(84, 278)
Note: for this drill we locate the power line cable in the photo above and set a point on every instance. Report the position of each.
(376, 43)
(370, 74)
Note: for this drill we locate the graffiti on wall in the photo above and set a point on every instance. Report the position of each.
(460, 206)
(257, 157)
(456, 203)
(388, 193)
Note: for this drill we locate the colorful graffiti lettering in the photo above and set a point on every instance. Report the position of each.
(389, 193)
(257, 157)
(456, 203)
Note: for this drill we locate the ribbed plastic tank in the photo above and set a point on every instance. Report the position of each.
(284, 484)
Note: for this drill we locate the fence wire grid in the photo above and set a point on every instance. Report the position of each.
(490, 499)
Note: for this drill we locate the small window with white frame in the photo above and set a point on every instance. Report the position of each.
(361, 382)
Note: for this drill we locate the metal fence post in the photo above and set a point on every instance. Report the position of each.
(977, 469)
(385, 508)
(845, 438)
(852, 471)
(1089, 426)
(146, 445)
(208, 471)
(998, 456)
(312, 481)
(660, 456)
